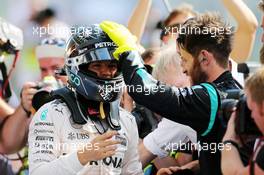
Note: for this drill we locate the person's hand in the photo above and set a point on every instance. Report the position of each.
(100, 147)
(121, 37)
(230, 132)
(170, 170)
(27, 93)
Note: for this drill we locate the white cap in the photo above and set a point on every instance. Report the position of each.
(51, 47)
(44, 51)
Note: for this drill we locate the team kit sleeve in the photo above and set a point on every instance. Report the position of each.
(168, 136)
(44, 146)
(194, 106)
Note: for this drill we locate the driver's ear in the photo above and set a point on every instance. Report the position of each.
(205, 57)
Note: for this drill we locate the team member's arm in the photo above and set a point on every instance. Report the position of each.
(136, 25)
(189, 106)
(15, 128)
(194, 106)
(194, 166)
(161, 143)
(231, 163)
(5, 110)
(138, 20)
(145, 155)
(246, 29)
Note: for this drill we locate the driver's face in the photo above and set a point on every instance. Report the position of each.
(191, 67)
(103, 69)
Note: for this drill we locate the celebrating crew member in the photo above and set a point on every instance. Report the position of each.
(204, 46)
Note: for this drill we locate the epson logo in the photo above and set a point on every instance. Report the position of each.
(105, 44)
(44, 138)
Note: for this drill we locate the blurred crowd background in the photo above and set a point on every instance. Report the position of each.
(84, 12)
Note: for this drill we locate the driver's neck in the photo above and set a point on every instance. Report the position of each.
(214, 73)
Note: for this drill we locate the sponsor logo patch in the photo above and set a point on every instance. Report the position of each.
(43, 115)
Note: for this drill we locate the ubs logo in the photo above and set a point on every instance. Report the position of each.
(78, 136)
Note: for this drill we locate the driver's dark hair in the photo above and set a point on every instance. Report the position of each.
(255, 85)
(207, 32)
(261, 5)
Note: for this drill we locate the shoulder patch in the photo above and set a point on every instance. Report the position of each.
(58, 106)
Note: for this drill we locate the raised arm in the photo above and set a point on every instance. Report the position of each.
(170, 102)
(137, 21)
(13, 134)
(5, 109)
(246, 29)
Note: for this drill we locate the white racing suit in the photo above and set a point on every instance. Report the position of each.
(54, 140)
